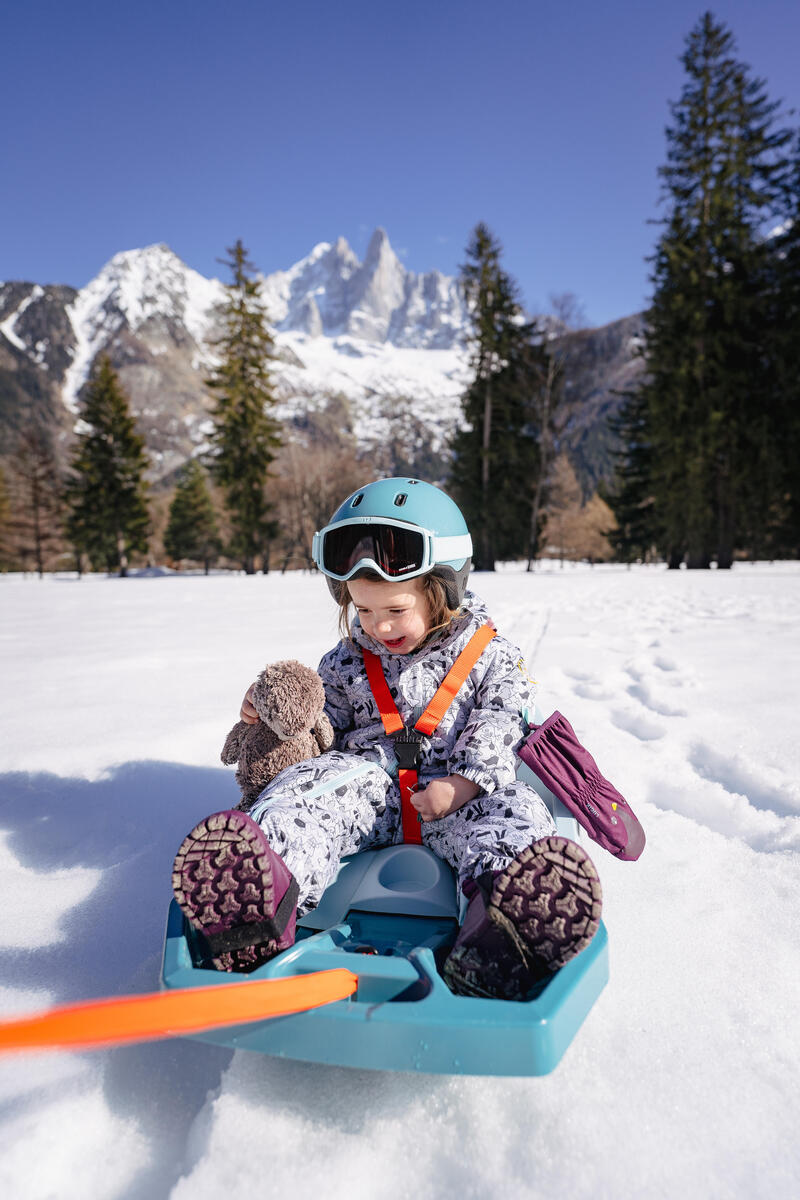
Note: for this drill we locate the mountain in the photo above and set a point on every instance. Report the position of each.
(330, 293)
(379, 346)
(600, 365)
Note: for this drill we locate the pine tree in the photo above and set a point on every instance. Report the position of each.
(784, 354)
(636, 532)
(106, 495)
(496, 453)
(192, 528)
(245, 437)
(702, 403)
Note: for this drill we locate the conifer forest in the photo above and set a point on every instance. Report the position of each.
(706, 440)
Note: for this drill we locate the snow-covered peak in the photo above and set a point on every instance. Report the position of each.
(152, 295)
(139, 285)
(332, 293)
(147, 290)
(310, 297)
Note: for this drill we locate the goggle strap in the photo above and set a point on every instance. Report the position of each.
(451, 548)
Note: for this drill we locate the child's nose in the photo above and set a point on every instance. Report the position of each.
(385, 625)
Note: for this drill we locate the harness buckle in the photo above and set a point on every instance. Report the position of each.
(407, 748)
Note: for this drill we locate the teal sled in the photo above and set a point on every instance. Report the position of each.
(384, 918)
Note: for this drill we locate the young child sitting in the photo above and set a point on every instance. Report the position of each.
(398, 551)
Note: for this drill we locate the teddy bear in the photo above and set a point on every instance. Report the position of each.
(289, 699)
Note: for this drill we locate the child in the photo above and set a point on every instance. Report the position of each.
(399, 551)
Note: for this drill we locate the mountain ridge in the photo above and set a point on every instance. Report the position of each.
(380, 337)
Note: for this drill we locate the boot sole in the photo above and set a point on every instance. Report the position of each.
(549, 899)
(222, 879)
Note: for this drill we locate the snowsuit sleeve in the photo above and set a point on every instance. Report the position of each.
(486, 749)
(338, 705)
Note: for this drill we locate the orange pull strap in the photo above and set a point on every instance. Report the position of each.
(454, 679)
(122, 1019)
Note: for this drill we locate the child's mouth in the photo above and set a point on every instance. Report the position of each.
(393, 643)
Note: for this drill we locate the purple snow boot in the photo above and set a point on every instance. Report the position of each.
(235, 891)
(526, 921)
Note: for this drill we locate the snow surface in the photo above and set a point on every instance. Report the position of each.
(683, 1081)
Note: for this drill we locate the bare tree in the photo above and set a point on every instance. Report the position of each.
(545, 401)
(569, 316)
(6, 555)
(575, 530)
(308, 484)
(34, 528)
(567, 310)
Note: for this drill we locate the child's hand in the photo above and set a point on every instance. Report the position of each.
(247, 713)
(444, 796)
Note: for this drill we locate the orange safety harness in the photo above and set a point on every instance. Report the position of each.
(407, 746)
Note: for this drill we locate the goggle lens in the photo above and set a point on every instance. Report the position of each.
(396, 551)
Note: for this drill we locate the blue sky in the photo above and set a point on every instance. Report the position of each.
(194, 122)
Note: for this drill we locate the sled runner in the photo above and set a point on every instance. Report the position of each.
(384, 919)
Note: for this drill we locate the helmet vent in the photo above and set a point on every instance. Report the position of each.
(357, 500)
(400, 499)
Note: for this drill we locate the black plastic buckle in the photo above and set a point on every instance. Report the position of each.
(407, 747)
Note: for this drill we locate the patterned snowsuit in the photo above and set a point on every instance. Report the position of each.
(348, 800)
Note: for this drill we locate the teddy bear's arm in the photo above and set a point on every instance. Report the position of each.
(323, 732)
(233, 743)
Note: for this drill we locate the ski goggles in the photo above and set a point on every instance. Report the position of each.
(394, 549)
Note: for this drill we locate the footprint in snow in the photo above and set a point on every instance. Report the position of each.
(582, 676)
(642, 693)
(665, 664)
(713, 805)
(742, 778)
(592, 691)
(639, 725)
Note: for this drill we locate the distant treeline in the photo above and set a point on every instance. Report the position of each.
(708, 440)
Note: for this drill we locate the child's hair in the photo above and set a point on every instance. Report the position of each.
(433, 590)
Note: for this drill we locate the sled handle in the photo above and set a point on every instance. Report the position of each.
(118, 1020)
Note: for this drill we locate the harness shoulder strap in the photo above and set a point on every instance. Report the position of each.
(392, 721)
(454, 679)
(445, 693)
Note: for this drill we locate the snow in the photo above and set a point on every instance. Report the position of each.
(136, 286)
(152, 293)
(46, 896)
(7, 326)
(427, 383)
(683, 1080)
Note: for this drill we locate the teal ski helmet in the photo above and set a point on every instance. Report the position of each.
(398, 528)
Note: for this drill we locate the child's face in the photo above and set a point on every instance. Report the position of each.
(395, 614)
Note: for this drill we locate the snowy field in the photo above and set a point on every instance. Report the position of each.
(116, 698)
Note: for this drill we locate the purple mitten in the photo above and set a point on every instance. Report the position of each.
(554, 754)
